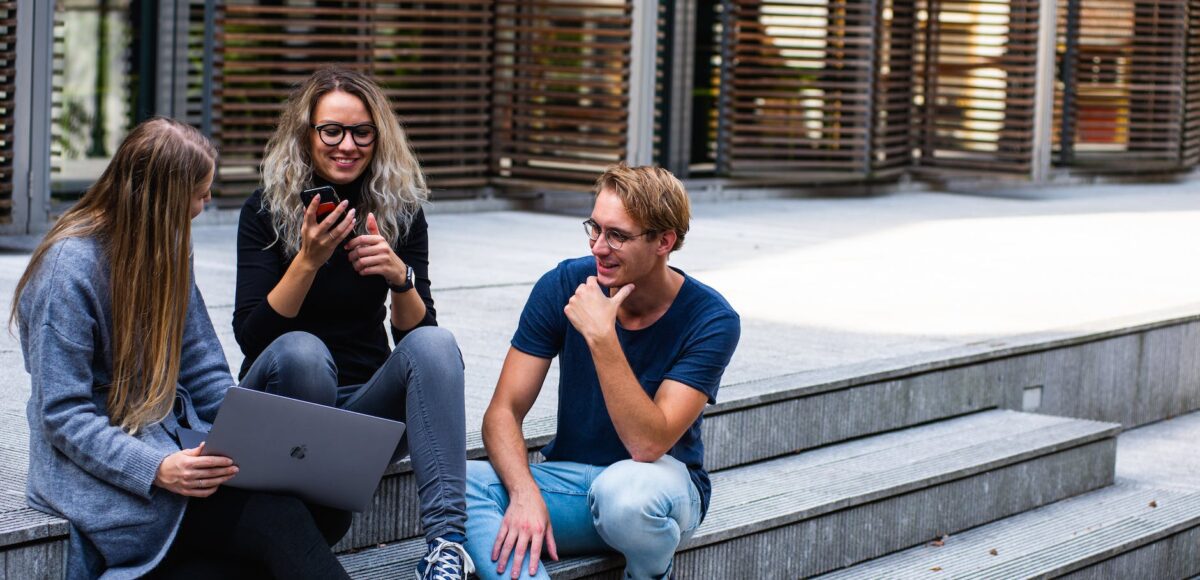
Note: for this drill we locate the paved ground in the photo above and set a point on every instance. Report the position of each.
(824, 286)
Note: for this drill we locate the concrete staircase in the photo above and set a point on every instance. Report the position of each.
(807, 513)
(831, 478)
(1124, 531)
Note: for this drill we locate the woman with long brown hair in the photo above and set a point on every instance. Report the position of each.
(122, 354)
(311, 306)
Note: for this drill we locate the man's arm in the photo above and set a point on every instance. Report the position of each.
(526, 522)
(648, 428)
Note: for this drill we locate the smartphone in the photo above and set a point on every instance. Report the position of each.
(329, 199)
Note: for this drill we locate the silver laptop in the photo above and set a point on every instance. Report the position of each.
(320, 454)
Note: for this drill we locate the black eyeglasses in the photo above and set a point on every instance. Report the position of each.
(614, 238)
(332, 134)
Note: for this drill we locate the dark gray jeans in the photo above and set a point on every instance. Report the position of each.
(421, 383)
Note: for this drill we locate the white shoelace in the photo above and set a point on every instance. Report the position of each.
(442, 565)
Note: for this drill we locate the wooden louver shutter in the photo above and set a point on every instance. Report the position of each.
(1122, 90)
(892, 107)
(819, 88)
(1190, 155)
(432, 59)
(977, 63)
(562, 90)
(8, 58)
(799, 94)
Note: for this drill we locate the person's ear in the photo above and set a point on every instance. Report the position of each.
(666, 242)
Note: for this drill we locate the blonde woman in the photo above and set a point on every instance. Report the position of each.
(310, 310)
(120, 358)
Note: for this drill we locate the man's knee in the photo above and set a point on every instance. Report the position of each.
(630, 493)
(623, 492)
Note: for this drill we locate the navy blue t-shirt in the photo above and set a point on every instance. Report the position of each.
(691, 344)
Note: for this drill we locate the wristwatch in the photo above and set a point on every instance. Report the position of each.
(406, 285)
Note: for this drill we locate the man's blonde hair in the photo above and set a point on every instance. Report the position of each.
(652, 196)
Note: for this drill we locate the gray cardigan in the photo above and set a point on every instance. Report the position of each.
(81, 468)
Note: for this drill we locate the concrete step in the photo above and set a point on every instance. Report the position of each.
(745, 427)
(842, 504)
(759, 421)
(1124, 531)
(32, 544)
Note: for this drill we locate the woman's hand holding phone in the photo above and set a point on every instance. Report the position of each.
(318, 239)
(191, 474)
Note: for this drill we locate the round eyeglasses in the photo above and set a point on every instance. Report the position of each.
(332, 134)
(614, 238)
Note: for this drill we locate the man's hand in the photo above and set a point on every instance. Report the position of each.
(190, 474)
(592, 313)
(525, 526)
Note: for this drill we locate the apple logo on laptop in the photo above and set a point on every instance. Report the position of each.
(299, 451)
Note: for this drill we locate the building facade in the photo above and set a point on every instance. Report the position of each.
(516, 95)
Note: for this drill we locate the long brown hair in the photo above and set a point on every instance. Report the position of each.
(140, 211)
(395, 188)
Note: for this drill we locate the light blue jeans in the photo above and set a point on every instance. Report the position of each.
(421, 383)
(642, 510)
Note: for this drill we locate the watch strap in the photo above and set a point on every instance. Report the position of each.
(406, 285)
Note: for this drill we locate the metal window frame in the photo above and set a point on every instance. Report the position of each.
(31, 127)
(642, 69)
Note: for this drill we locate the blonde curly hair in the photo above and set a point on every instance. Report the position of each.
(395, 189)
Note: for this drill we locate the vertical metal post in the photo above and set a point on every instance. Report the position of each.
(1043, 117)
(210, 48)
(171, 63)
(1070, 83)
(723, 98)
(929, 88)
(31, 127)
(643, 59)
(872, 113)
(676, 101)
(145, 44)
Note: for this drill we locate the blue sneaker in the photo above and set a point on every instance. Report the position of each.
(445, 561)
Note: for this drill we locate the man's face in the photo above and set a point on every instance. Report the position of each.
(637, 256)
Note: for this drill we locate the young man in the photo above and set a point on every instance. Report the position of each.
(641, 347)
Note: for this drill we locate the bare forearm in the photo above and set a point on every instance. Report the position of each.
(639, 423)
(288, 295)
(408, 310)
(505, 444)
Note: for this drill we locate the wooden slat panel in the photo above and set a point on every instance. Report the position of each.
(818, 87)
(1127, 72)
(561, 89)
(976, 63)
(1190, 150)
(892, 114)
(433, 60)
(8, 59)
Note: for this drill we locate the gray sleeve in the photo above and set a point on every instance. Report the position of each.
(60, 369)
(60, 330)
(203, 370)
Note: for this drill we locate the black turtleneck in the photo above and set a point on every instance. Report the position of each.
(351, 191)
(344, 309)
